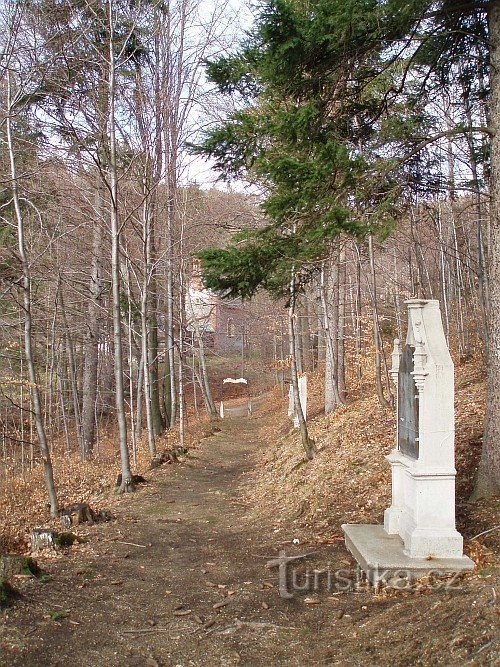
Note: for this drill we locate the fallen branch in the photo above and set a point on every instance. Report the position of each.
(142, 631)
(31, 632)
(276, 562)
(495, 640)
(255, 626)
(485, 532)
(132, 544)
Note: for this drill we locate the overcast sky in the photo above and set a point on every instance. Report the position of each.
(197, 169)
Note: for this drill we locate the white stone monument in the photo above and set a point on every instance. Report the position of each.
(419, 534)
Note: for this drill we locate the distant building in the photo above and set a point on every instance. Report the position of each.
(224, 323)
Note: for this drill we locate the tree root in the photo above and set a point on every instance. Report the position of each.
(126, 486)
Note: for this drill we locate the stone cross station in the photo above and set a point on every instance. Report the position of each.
(419, 534)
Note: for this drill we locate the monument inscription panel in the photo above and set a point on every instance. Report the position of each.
(407, 405)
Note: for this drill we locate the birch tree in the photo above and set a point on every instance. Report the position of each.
(12, 99)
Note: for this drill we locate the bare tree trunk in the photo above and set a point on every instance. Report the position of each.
(93, 332)
(138, 400)
(359, 307)
(442, 273)
(169, 330)
(332, 395)
(341, 324)
(156, 414)
(50, 365)
(130, 361)
(397, 304)
(167, 396)
(282, 355)
(72, 377)
(28, 335)
(146, 247)
(424, 287)
(377, 338)
(182, 404)
(307, 442)
(488, 480)
(126, 484)
(299, 359)
(152, 169)
(481, 253)
(275, 362)
(63, 409)
(305, 336)
(193, 377)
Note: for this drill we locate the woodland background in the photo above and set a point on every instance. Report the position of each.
(370, 175)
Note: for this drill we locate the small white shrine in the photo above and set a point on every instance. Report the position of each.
(419, 533)
(235, 381)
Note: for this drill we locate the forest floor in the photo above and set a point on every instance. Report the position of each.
(180, 578)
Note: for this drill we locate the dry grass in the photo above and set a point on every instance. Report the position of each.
(349, 480)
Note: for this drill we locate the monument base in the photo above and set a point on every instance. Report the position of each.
(381, 556)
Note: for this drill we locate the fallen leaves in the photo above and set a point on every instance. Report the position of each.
(220, 605)
(312, 601)
(23, 496)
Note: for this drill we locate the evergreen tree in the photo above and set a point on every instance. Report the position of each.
(337, 131)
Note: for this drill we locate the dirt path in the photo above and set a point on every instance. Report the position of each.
(194, 590)
(201, 551)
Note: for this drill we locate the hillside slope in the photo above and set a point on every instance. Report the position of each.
(349, 480)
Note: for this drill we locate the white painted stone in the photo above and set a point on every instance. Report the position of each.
(291, 402)
(303, 394)
(302, 399)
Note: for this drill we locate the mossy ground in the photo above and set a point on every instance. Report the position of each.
(7, 593)
(13, 564)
